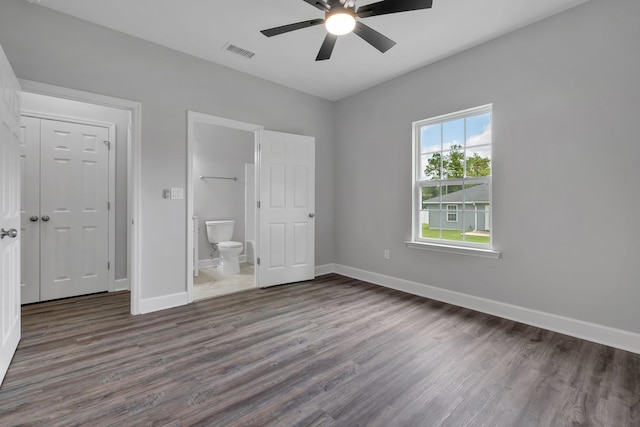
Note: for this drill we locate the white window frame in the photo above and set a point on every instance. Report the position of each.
(453, 212)
(441, 245)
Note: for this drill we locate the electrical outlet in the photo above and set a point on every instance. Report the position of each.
(386, 254)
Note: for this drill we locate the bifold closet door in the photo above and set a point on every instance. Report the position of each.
(73, 209)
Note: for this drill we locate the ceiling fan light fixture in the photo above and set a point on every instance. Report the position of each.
(340, 21)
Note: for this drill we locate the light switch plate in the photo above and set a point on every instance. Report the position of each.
(177, 193)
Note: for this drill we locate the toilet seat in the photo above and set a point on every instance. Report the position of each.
(229, 245)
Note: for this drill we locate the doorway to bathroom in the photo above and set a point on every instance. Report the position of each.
(277, 232)
(223, 188)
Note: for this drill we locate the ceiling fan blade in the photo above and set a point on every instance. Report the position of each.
(327, 47)
(374, 38)
(291, 27)
(392, 6)
(323, 6)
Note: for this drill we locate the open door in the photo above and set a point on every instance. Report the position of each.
(286, 209)
(9, 214)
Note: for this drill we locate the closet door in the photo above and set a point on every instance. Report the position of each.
(30, 209)
(73, 209)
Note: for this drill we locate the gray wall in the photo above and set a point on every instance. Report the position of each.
(81, 110)
(50, 47)
(566, 103)
(220, 151)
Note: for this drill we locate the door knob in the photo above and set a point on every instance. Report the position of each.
(45, 218)
(13, 233)
(33, 218)
(311, 215)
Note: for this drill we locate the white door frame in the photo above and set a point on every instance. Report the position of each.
(194, 117)
(133, 166)
(111, 274)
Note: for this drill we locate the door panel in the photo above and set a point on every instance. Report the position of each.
(286, 217)
(74, 194)
(30, 207)
(9, 214)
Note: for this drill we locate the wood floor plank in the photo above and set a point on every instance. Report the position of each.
(330, 352)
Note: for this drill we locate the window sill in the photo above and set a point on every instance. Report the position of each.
(460, 250)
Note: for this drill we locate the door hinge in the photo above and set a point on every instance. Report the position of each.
(108, 265)
(108, 144)
(258, 261)
(108, 206)
(258, 204)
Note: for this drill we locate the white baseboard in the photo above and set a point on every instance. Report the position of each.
(325, 269)
(161, 303)
(612, 337)
(122, 285)
(214, 262)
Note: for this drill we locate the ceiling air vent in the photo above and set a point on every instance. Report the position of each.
(238, 50)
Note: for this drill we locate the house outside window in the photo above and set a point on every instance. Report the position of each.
(452, 179)
(452, 213)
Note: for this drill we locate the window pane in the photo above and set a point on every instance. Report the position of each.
(429, 214)
(453, 135)
(476, 193)
(478, 161)
(447, 231)
(479, 130)
(452, 193)
(430, 196)
(478, 225)
(430, 167)
(433, 229)
(453, 163)
(430, 138)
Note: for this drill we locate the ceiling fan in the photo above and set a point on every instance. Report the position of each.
(340, 18)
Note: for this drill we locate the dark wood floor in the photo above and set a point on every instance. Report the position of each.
(334, 351)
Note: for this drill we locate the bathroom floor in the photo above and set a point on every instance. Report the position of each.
(211, 282)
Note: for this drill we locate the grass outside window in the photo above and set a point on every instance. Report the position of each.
(454, 235)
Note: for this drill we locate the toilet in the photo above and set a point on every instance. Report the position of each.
(220, 233)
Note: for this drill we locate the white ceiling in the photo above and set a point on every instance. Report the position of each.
(201, 28)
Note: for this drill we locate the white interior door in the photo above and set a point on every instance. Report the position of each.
(9, 214)
(30, 209)
(287, 208)
(74, 217)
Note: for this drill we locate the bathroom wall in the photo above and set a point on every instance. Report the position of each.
(220, 151)
(80, 110)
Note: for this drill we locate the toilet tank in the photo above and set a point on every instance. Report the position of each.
(219, 231)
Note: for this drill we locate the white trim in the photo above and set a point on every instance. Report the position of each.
(194, 117)
(488, 108)
(111, 180)
(454, 211)
(417, 184)
(214, 262)
(133, 177)
(122, 285)
(453, 249)
(163, 302)
(321, 270)
(613, 337)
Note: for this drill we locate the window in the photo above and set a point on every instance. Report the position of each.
(452, 213)
(452, 179)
